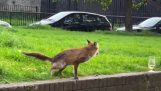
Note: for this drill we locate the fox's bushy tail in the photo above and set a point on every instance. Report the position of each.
(38, 56)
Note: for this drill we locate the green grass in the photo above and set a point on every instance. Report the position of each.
(119, 52)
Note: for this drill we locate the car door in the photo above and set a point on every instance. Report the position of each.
(89, 22)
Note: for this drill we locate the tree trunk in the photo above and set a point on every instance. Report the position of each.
(128, 15)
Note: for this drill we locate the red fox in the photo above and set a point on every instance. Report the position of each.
(69, 57)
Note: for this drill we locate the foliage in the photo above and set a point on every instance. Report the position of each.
(104, 3)
(138, 5)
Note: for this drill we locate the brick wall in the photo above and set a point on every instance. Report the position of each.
(120, 82)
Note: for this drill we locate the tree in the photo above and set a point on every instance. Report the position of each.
(128, 15)
(129, 6)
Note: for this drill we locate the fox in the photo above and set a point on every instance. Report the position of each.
(74, 56)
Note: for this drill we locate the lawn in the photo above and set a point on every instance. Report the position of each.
(119, 52)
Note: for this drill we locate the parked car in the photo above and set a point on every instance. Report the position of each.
(5, 24)
(153, 24)
(77, 20)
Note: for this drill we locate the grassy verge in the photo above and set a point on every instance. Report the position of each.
(119, 52)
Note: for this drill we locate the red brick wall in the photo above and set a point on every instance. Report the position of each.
(120, 82)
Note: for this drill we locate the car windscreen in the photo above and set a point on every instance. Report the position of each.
(58, 16)
(149, 22)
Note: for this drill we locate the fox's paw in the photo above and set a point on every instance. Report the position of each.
(76, 78)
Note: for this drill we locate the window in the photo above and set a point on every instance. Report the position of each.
(101, 20)
(68, 20)
(159, 25)
(76, 18)
(72, 19)
(89, 18)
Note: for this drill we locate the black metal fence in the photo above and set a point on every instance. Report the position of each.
(20, 15)
(120, 20)
(22, 18)
(25, 18)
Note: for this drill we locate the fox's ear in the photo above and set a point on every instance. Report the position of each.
(95, 43)
(88, 41)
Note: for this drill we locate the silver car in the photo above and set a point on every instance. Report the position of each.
(153, 24)
(5, 24)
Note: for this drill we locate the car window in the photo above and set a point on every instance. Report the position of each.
(73, 19)
(68, 19)
(89, 18)
(101, 20)
(77, 18)
(159, 24)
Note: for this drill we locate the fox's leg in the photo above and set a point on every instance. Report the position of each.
(55, 66)
(60, 70)
(52, 71)
(75, 71)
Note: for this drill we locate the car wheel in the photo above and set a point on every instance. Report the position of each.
(90, 30)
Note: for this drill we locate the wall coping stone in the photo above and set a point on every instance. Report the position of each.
(121, 75)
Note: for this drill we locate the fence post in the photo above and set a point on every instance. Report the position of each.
(113, 23)
(69, 4)
(10, 17)
(76, 5)
(36, 12)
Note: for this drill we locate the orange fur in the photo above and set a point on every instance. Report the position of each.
(69, 57)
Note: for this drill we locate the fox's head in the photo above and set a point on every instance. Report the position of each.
(93, 47)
